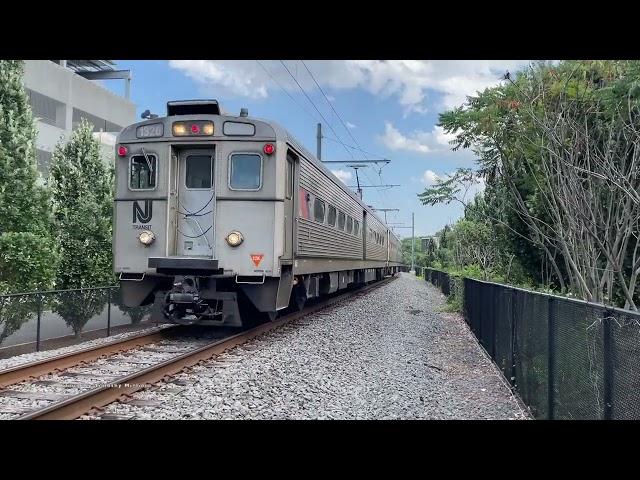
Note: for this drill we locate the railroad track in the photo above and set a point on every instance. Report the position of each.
(86, 380)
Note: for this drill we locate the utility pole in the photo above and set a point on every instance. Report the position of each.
(412, 227)
(413, 241)
(319, 142)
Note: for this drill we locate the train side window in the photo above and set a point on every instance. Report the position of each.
(318, 210)
(331, 218)
(289, 187)
(341, 220)
(349, 225)
(245, 171)
(356, 228)
(142, 172)
(198, 173)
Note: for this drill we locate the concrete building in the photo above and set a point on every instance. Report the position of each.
(62, 92)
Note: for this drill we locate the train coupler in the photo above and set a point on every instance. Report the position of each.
(195, 300)
(183, 304)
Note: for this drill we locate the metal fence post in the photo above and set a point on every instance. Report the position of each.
(607, 364)
(108, 312)
(514, 339)
(494, 311)
(39, 303)
(550, 366)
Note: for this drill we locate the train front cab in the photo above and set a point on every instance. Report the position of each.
(213, 214)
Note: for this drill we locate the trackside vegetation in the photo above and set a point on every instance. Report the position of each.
(557, 147)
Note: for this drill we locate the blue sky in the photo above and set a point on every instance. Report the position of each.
(389, 107)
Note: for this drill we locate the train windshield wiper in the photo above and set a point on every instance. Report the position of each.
(148, 161)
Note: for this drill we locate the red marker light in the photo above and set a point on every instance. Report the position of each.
(195, 129)
(269, 149)
(122, 150)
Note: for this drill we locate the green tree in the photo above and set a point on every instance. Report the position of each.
(557, 147)
(82, 186)
(28, 255)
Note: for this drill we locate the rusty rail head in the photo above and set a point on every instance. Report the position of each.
(97, 398)
(38, 368)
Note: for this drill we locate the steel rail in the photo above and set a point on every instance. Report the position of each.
(123, 387)
(19, 373)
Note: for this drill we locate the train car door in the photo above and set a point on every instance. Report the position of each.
(289, 207)
(195, 206)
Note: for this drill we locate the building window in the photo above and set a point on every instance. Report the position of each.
(99, 124)
(356, 228)
(245, 171)
(44, 161)
(46, 109)
(349, 225)
(112, 127)
(198, 173)
(318, 210)
(331, 219)
(341, 220)
(143, 172)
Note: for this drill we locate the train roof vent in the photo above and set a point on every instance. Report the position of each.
(193, 107)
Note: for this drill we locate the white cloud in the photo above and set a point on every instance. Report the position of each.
(441, 137)
(430, 177)
(419, 141)
(394, 140)
(233, 76)
(351, 125)
(343, 175)
(410, 81)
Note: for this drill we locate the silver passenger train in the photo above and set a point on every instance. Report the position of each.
(217, 216)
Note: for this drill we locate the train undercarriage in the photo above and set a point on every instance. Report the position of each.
(233, 302)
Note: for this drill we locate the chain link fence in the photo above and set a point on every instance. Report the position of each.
(35, 321)
(566, 358)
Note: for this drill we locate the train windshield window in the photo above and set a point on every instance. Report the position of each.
(341, 219)
(356, 228)
(331, 219)
(318, 210)
(198, 171)
(349, 225)
(143, 172)
(246, 171)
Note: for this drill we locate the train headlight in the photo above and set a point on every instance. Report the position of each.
(147, 237)
(193, 128)
(179, 128)
(235, 238)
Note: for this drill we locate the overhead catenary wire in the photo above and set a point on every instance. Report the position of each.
(315, 119)
(382, 196)
(343, 124)
(347, 129)
(315, 107)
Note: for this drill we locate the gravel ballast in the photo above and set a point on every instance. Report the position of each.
(388, 354)
(35, 356)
